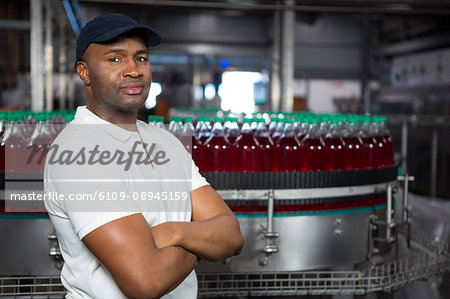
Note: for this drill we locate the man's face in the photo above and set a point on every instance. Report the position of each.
(119, 74)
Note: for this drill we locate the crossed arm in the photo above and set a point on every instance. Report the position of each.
(149, 262)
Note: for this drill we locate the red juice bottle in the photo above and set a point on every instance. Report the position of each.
(3, 125)
(203, 128)
(334, 148)
(287, 149)
(353, 145)
(247, 154)
(278, 130)
(232, 132)
(312, 149)
(273, 125)
(14, 144)
(262, 135)
(389, 141)
(370, 152)
(191, 142)
(381, 143)
(217, 149)
(39, 143)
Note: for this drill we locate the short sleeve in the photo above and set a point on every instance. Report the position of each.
(88, 195)
(197, 179)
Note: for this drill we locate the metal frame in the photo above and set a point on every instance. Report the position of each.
(383, 277)
(389, 276)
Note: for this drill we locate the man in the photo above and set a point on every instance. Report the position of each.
(112, 249)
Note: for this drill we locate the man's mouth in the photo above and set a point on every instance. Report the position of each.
(132, 89)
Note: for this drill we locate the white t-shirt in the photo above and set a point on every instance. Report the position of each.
(87, 181)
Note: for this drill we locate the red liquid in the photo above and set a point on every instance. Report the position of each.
(2, 158)
(275, 137)
(353, 153)
(231, 139)
(334, 154)
(300, 137)
(381, 153)
(267, 153)
(203, 137)
(15, 158)
(311, 154)
(37, 159)
(369, 152)
(217, 154)
(247, 154)
(197, 153)
(287, 152)
(389, 150)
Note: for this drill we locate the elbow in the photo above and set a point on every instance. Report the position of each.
(236, 238)
(144, 289)
(238, 243)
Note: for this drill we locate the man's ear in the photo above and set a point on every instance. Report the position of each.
(83, 72)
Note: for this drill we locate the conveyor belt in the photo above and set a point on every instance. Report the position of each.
(299, 180)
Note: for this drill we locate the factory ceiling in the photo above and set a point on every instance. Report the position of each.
(423, 7)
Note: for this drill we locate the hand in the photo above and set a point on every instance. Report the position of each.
(165, 234)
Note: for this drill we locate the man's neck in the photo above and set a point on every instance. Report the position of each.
(125, 120)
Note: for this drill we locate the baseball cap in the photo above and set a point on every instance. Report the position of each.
(107, 27)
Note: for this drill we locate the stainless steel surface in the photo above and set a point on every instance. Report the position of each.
(48, 56)
(389, 221)
(25, 247)
(404, 148)
(304, 242)
(275, 62)
(270, 235)
(433, 170)
(287, 57)
(304, 193)
(62, 84)
(386, 277)
(37, 77)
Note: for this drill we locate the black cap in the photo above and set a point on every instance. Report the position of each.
(107, 27)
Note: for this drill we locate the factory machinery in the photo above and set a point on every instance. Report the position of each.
(319, 232)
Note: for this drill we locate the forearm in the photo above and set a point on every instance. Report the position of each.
(176, 264)
(167, 269)
(212, 239)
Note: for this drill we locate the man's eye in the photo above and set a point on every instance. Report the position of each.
(142, 59)
(113, 59)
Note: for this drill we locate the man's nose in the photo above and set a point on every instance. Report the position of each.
(132, 69)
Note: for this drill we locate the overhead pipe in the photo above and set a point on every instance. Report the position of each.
(389, 9)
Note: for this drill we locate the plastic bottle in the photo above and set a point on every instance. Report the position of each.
(203, 128)
(287, 149)
(39, 143)
(3, 125)
(233, 131)
(247, 154)
(334, 154)
(273, 124)
(159, 122)
(175, 125)
(262, 135)
(370, 152)
(353, 145)
(381, 143)
(312, 148)
(15, 144)
(389, 141)
(278, 130)
(217, 149)
(191, 143)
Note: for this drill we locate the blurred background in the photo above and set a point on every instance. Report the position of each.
(389, 58)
